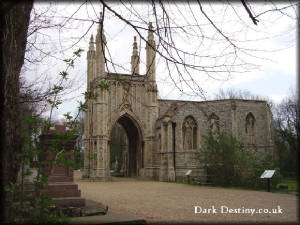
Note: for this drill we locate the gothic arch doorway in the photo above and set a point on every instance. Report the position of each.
(129, 161)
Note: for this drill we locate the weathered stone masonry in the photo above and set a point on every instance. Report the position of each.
(163, 134)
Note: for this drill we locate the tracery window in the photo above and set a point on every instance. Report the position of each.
(250, 124)
(189, 130)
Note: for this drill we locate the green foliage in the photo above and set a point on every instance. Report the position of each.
(254, 167)
(220, 156)
(35, 207)
(82, 106)
(31, 120)
(104, 85)
(230, 164)
(78, 52)
(70, 62)
(64, 74)
(117, 77)
(57, 89)
(68, 116)
(78, 156)
(287, 145)
(90, 95)
(292, 184)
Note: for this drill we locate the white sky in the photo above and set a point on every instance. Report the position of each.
(274, 78)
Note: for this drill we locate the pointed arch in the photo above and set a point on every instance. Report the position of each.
(134, 158)
(126, 113)
(189, 131)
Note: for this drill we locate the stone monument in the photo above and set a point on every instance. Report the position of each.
(60, 187)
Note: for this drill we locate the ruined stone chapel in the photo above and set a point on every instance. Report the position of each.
(163, 135)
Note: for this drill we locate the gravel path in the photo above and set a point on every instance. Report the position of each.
(171, 202)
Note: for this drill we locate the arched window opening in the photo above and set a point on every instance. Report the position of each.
(249, 128)
(214, 124)
(189, 130)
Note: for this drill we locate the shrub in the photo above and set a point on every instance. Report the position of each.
(230, 164)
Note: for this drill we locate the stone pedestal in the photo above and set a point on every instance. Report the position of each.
(61, 187)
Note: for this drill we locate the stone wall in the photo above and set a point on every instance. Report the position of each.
(232, 119)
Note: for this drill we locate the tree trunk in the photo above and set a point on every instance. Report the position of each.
(14, 20)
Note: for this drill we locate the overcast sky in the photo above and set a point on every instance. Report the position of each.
(274, 36)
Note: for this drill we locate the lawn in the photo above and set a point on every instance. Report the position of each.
(292, 184)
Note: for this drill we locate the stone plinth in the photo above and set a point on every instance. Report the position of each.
(61, 187)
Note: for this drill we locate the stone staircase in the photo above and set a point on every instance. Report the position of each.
(62, 189)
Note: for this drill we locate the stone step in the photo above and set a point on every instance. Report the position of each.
(62, 193)
(62, 189)
(68, 201)
(59, 186)
(60, 179)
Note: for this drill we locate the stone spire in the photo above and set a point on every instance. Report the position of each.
(135, 59)
(150, 54)
(135, 48)
(100, 33)
(150, 33)
(91, 62)
(100, 49)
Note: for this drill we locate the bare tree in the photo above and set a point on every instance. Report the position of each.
(237, 94)
(195, 41)
(215, 54)
(287, 114)
(38, 88)
(242, 94)
(287, 134)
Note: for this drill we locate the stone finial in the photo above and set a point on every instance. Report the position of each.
(150, 26)
(92, 47)
(135, 58)
(150, 53)
(150, 32)
(135, 48)
(134, 42)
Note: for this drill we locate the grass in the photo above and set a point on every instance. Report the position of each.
(292, 183)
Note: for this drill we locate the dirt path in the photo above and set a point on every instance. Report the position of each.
(170, 202)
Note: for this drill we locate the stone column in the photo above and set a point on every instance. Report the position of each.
(86, 163)
(171, 171)
(162, 168)
(166, 138)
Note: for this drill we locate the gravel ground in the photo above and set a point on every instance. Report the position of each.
(171, 202)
